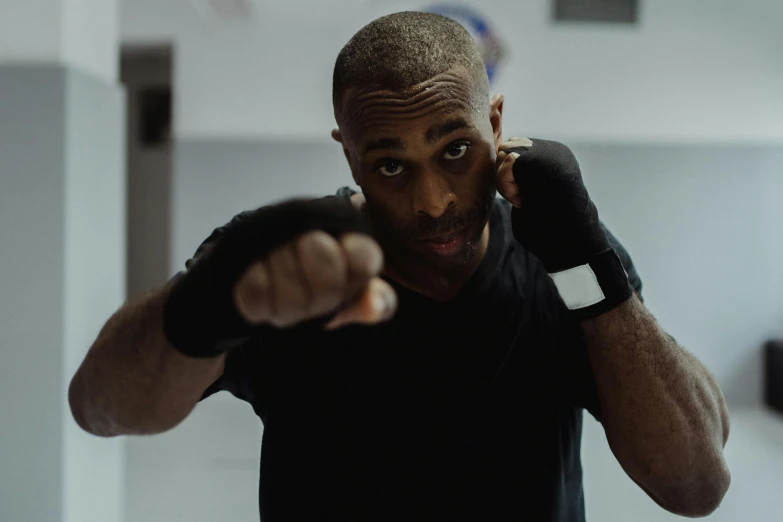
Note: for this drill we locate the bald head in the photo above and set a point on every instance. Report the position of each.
(401, 50)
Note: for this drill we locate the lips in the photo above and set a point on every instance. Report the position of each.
(445, 245)
(444, 238)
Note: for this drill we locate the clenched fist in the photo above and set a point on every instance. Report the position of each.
(555, 219)
(279, 265)
(314, 275)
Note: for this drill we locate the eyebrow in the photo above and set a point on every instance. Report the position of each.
(438, 132)
(434, 133)
(384, 144)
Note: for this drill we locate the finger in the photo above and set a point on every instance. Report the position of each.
(252, 294)
(377, 303)
(358, 200)
(325, 269)
(501, 157)
(505, 182)
(514, 143)
(365, 261)
(291, 294)
(506, 167)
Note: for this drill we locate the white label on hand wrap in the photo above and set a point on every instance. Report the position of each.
(578, 287)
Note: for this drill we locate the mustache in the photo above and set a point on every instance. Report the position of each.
(451, 220)
(383, 220)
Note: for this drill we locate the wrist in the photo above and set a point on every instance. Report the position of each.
(594, 287)
(199, 317)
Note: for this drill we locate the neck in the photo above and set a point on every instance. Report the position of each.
(437, 284)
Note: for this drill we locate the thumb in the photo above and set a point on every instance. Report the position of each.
(377, 303)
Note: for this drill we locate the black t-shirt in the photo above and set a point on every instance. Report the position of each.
(467, 410)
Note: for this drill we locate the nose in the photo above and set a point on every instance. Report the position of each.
(432, 194)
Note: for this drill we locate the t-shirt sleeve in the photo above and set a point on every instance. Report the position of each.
(625, 259)
(242, 376)
(241, 372)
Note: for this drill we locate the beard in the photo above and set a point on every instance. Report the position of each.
(398, 236)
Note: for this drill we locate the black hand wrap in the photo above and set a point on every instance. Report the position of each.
(200, 318)
(559, 224)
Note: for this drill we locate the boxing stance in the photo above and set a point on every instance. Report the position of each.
(422, 350)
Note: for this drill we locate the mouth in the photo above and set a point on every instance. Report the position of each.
(445, 244)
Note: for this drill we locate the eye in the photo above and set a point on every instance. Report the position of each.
(456, 151)
(391, 168)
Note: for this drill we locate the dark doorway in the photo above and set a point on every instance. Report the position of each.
(146, 72)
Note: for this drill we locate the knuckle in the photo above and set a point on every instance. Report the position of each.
(364, 256)
(282, 262)
(323, 265)
(290, 289)
(320, 254)
(357, 200)
(251, 293)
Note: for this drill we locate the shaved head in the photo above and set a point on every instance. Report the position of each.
(401, 50)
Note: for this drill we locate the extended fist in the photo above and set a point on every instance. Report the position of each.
(314, 275)
(279, 265)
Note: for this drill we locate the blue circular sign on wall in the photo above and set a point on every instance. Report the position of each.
(493, 52)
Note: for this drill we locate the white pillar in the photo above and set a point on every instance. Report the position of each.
(62, 251)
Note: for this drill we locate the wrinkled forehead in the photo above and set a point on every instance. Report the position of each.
(450, 95)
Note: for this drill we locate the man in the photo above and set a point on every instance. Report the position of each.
(429, 356)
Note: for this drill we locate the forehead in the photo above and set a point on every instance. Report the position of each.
(445, 100)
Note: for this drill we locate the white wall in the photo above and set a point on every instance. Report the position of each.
(90, 40)
(62, 259)
(29, 31)
(31, 294)
(704, 225)
(696, 71)
(79, 33)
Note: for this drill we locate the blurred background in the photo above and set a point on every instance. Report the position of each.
(129, 129)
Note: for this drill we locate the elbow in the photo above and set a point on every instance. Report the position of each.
(76, 403)
(700, 497)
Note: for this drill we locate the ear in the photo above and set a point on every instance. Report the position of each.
(338, 137)
(496, 117)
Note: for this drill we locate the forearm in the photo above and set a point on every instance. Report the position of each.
(665, 417)
(132, 381)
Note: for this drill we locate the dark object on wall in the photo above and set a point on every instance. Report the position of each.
(155, 116)
(611, 11)
(773, 362)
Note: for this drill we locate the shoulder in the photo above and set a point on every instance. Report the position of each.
(216, 234)
(501, 219)
(237, 220)
(345, 192)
